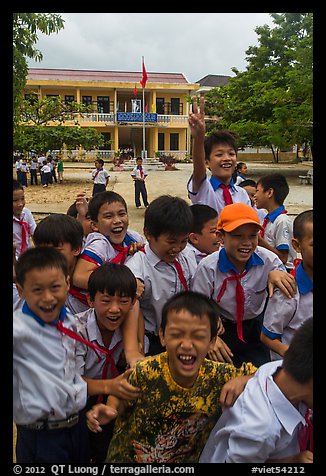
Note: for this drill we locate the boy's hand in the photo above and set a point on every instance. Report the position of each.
(231, 390)
(81, 204)
(122, 389)
(140, 288)
(282, 280)
(220, 352)
(134, 247)
(197, 119)
(100, 414)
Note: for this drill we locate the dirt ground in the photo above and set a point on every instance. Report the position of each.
(57, 198)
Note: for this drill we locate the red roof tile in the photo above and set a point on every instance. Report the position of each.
(110, 76)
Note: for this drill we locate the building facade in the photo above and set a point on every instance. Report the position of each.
(116, 99)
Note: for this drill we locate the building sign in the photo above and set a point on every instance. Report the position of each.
(136, 117)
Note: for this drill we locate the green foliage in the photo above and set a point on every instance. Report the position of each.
(270, 104)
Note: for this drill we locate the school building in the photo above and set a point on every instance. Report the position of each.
(116, 99)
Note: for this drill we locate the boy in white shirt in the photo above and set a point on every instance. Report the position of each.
(23, 221)
(139, 175)
(203, 238)
(270, 422)
(100, 177)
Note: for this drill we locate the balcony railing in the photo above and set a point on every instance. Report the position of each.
(110, 118)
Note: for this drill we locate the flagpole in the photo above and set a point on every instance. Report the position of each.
(144, 154)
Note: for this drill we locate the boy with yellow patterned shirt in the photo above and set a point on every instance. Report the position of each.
(182, 392)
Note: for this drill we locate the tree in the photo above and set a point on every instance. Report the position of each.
(270, 104)
(25, 26)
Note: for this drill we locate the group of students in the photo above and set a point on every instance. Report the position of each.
(128, 347)
(45, 167)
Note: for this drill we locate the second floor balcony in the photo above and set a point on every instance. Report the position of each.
(132, 118)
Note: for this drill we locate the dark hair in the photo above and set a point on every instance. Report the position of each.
(73, 212)
(239, 165)
(197, 304)
(247, 183)
(57, 229)
(17, 185)
(201, 215)
(299, 224)
(112, 278)
(219, 137)
(103, 197)
(167, 214)
(298, 359)
(278, 183)
(40, 257)
(100, 161)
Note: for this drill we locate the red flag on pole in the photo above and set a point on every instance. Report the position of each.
(144, 76)
(135, 91)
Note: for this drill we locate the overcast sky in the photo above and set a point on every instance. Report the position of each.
(195, 44)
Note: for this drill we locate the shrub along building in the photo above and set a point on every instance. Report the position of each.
(116, 99)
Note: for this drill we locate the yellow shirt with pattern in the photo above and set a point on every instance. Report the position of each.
(169, 423)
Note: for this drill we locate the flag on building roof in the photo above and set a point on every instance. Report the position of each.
(144, 74)
(135, 91)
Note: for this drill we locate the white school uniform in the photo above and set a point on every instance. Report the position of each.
(100, 176)
(213, 269)
(210, 193)
(261, 212)
(262, 424)
(46, 383)
(28, 218)
(283, 315)
(192, 250)
(136, 172)
(279, 233)
(89, 362)
(161, 282)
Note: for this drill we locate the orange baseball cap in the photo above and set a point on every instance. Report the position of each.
(237, 214)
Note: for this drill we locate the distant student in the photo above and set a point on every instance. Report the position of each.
(60, 168)
(270, 421)
(217, 152)
(182, 392)
(24, 169)
(100, 177)
(49, 395)
(241, 172)
(277, 231)
(46, 175)
(283, 315)
(33, 168)
(139, 175)
(237, 277)
(203, 239)
(250, 187)
(163, 268)
(23, 220)
(111, 295)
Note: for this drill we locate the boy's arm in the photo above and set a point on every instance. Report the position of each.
(274, 344)
(235, 386)
(282, 254)
(101, 414)
(130, 332)
(197, 128)
(118, 387)
(282, 280)
(82, 272)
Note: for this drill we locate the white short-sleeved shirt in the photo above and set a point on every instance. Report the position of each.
(192, 250)
(261, 212)
(136, 172)
(47, 384)
(87, 360)
(46, 169)
(279, 233)
(101, 176)
(262, 424)
(210, 193)
(283, 315)
(161, 282)
(27, 217)
(17, 301)
(213, 269)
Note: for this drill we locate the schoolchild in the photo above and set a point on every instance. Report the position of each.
(139, 175)
(250, 187)
(17, 167)
(49, 161)
(100, 177)
(218, 153)
(111, 295)
(163, 267)
(49, 395)
(237, 277)
(271, 420)
(23, 221)
(203, 240)
(60, 168)
(24, 169)
(277, 231)
(46, 177)
(33, 168)
(171, 425)
(284, 315)
(241, 172)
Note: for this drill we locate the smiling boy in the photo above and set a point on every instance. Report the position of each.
(171, 425)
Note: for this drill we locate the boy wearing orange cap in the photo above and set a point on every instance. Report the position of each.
(238, 277)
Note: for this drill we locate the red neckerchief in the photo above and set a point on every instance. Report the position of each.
(226, 194)
(25, 233)
(120, 258)
(305, 433)
(96, 173)
(108, 360)
(140, 168)
(240, 299)
(266, 220)
(182, 278)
